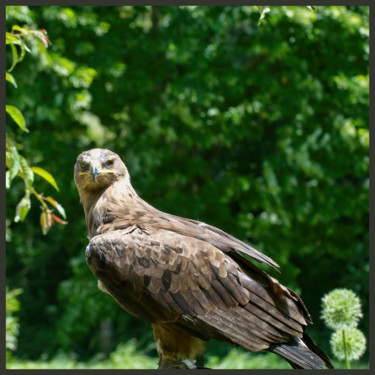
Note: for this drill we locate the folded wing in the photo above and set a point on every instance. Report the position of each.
(169, 278)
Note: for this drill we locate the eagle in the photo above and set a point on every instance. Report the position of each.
(192, 281)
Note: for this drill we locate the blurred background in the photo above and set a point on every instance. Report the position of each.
(259, 128)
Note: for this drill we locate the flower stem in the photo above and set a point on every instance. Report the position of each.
(345, 351)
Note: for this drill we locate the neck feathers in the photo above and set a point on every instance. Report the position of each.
(97, 202)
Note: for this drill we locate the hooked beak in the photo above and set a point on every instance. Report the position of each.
(95, 172)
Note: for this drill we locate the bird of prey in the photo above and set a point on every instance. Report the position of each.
(189, 279)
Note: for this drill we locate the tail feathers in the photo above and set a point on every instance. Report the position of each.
(302, 354)
(319, 352)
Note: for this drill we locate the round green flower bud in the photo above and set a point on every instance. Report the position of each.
(355, 343)
(341, 309)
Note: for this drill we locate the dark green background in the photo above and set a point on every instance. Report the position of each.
(261, 130)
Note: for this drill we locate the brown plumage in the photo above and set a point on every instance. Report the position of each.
(188, 279)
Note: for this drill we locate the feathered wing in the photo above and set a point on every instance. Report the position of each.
(169, 278)
(120, 213)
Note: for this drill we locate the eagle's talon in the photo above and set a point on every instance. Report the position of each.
(167, 363)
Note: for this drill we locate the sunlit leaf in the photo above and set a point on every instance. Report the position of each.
(26, 47)
(21, 42)
(56, 205)
(20, 29)
(23, 51)
(263, 10)
(23, 208)
(312, 8)
(11, 39)
(14, 57)
(7, 158)
(12, 304)
(10, 79)
(7, 179)
(17, 116)
(15, 162)
(27, 173)
(46, 175)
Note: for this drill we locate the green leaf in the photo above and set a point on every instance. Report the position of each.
(28, 174)
(17, 116)
(7, 180)
(46, 175)
(23, 51)
(19, 40)
(15, 162)
(11, 39)
(24, 45)
(7, 157)
(263, 10)
(20, 29)
(312, 8)
(10, 79)
(14, 56)
(56, 205)
(23, 208)
(12, 304)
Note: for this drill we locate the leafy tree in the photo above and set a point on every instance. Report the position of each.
(12, 325)
(16, 164)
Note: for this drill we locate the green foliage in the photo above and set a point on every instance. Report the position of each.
(238, 359)
(16, 115)
(16, 164)
(47, 176)
(125, 356)
(341, 312)
(263, 10)
(259, 130)
(12, 325)
(10, 79)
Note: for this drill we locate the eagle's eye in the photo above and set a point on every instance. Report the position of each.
(84, 166)
(109, 163)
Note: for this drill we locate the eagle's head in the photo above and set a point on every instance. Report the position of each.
(97, 169)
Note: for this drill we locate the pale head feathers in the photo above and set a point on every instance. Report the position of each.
(98, 169)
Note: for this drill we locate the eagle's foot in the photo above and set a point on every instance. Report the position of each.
(166, 363)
